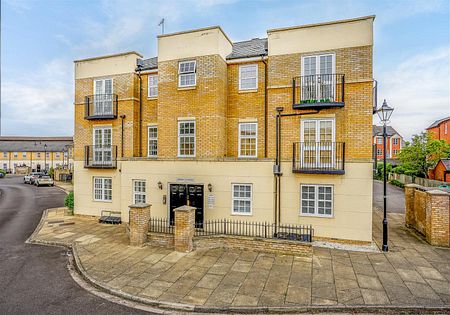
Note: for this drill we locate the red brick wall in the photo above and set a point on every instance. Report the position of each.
(438, 132)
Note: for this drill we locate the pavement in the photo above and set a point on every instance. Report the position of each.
(395, 197)
(412, 274)
(34, 279)
(66, 186)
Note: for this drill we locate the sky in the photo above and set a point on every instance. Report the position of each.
(41, 38)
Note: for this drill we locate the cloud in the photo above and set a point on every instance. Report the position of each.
(20, 6)
(40, 102)
(418, 89)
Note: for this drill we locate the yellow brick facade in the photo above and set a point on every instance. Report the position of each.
(217, 106)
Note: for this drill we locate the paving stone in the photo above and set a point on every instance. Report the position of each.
(346, 284)
(368, 282)
(197, 296)
(322, 301)
(173, 257)
(410, 275)
(222, 295)
(245, 300)
(210, 281)
(270, 298)
(242, 266)
(324, 290)
(421, 290)
(264, 262)
(234, 278)
(249, 256)
(430, 273)
(170, 297)
(152, 292)
(363, 269)
(344, 296)
(320, 275)
(389, 278)
(181, 287)
(320, 262)
(375, 297)
(298, 295)
(344, 272)
(220, 268)
(206, 261)
(399, 294)
(441, 287)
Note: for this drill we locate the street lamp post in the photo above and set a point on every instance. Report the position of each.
(45, 157)
(384, 113)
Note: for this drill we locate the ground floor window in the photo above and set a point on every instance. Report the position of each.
(316, 200)
(102, 189)
(139, 195)
(242, 199)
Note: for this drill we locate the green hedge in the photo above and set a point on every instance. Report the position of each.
(397, 183)
(68, 202)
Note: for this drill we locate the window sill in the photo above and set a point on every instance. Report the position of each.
(321, 216)
(248, 91)
(107, 201)
(152, 97)
(242, 214)
(187, 88)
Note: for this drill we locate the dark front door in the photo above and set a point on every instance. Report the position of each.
(195, 199)
(182, 195)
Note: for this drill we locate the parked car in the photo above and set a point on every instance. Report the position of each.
(444, 186)
(29, 179)
(43, 180)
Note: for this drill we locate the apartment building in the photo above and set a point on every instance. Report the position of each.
(394, 143)
(440, 129)
(276, 129)
(38, 153)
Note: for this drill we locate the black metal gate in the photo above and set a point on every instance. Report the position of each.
(191, 195)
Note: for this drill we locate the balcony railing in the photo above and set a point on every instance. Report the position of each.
(318, 157)
(101, 106)
(318, 91)
(96, 156)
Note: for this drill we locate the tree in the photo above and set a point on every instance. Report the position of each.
(421, 154)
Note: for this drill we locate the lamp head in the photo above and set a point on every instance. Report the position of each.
(385, 112)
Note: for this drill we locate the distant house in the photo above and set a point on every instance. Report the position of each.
(441, 171)
(394, 143)
(440, 129)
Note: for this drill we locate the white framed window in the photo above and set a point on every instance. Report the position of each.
(5, 154)
(248, 139)
(379, 140)
(248, 77)
(58, 155)
(102, 141)
(318, 138)
(379, 152)
(16, 154)
(187, 73)
(39, 154)
(102, 189)
(153, 85)
(241, 199)
(152, 141)
(395, 152)
(316, 200)
(24, 154)
(446, 128)
(139, 191)
(395, 141)
(186, 138)
(103, 97)
(5, 166)
(47, 154)
(318, 80)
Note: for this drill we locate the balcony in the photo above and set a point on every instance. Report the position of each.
(318, 91)
(96, 156)
(318, 157)
(100, 106)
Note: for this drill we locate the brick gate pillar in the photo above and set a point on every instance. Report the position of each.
(139, 223)
(410, 219)
(437, 210)
(184, 228)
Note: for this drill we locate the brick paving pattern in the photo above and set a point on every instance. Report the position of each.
(412, 273)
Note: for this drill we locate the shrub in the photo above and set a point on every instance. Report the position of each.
(51, 172)
(69, 202)
(397, 183)
(3, 172)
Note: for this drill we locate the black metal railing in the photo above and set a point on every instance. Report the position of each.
(318, 89)
(267, 230)
(100, 156)
(101, 106)
(161, 225)
(318, 157)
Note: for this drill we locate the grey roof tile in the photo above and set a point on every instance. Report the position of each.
(148, 64)
(437, 122)
(250, 48)
(34, 144)
(378, 131)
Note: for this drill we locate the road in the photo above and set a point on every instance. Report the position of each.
(395, 197)
(34, 279)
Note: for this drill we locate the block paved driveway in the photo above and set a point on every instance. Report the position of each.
(412, 273)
